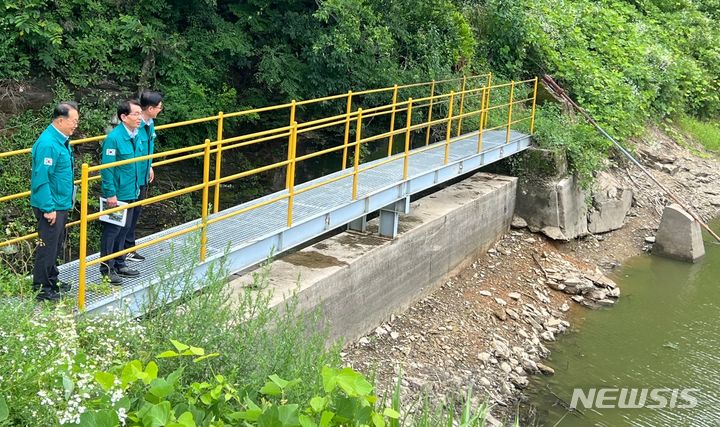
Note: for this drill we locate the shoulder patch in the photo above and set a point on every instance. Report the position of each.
(48, 161)
(110, 152)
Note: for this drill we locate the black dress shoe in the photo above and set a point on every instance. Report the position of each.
(112, 277)
(51, 296)
(127, 272)
(134, 257)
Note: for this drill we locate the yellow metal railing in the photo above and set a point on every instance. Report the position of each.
(472, 101)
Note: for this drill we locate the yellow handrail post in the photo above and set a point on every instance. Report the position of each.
(462, 105)
(292, 120)
(489, 86)
(218, 163)
(483, 112)
(407, 139)
(429, 119)
(392, 120)
(348, 110)
(358, 137)
(449, 126)
(291, 172)
(206, 188)
(532, 114)
(510, 108)
(82, 272)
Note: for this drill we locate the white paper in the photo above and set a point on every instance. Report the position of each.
(117, 218)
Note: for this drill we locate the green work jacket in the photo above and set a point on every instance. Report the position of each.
(146, 145)
(51, 184)
(120, 181)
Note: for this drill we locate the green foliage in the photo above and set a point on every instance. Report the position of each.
(585, 149)
(706, 133)
(624, 61)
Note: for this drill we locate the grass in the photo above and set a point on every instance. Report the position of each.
(706, 133)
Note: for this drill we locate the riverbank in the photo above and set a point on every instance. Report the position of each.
(486, 327)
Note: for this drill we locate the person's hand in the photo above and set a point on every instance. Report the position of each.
(50, 217)
(112, 201)
(152, 174)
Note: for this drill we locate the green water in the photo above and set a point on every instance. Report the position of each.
(663, 333)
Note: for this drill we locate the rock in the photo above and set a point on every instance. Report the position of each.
(394, 335)
(530, 367)
(364, 341)
(564, 308)
(514, 295)
(500, 314)
(552, 322)
(547, 336)
(484, 381)
(501, 350)
(519, 381)
(554, 233)
(518, 222)
(606, 302)
(615, 293)
(512, 313)
(380, 331)
(505, 367)
(500, 301)
(485, 293)
(596, 294)
(679, 236)
(484, 357)
(545, 370)
(650, 239)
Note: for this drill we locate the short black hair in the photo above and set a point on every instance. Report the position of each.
(150, 98)
(63, 109)
(124, 107)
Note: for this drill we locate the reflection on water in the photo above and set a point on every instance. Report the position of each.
(663, 333)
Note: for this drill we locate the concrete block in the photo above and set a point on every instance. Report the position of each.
(611, 203)
(556, 205)
(679, 236)
(359, 280)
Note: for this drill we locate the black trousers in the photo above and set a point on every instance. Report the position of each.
(130, 238)
(52, 240)
(113, 240)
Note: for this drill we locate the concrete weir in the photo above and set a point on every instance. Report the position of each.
(360, 279)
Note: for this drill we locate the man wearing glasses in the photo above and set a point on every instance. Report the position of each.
(51, 197)
(120, 183)
(151, 103)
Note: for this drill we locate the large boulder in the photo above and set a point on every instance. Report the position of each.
(679, 236)
(610, 204)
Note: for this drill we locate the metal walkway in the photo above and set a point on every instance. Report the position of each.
(250, 237)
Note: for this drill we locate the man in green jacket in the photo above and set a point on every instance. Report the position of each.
(51, 197)
(151, 103)
(120, 183)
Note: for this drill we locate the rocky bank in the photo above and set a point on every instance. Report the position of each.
(488, 326)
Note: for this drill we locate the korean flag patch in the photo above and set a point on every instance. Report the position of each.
(110, 151)
(47, 161)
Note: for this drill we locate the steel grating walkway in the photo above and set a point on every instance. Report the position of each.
(250, 237)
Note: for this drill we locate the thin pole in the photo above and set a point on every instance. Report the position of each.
(510, 108)
(206, 187)
(532, 114)
(356, 163)
(429, 119)
(483, 112)
(489, 88)
(348, 110)
(392, 120)
(291, 171)
(449, 126)
(82, 273)
(292, 120)
(462, 105)
(559, 93)
(218, 163)
(407, 139)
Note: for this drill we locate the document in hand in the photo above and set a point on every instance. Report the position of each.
(117, 218)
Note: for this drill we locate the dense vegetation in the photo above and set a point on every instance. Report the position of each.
(626, 61)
